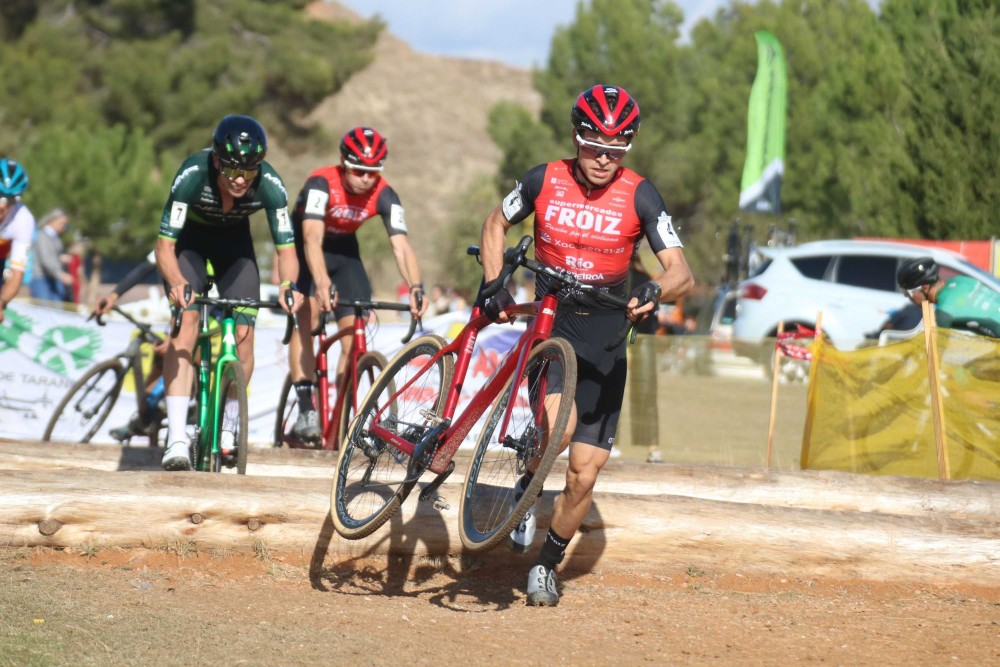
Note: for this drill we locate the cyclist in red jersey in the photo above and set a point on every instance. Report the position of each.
(332, 205)
(590, 215)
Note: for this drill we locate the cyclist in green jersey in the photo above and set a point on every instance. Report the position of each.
(207, 218)
(961, 302)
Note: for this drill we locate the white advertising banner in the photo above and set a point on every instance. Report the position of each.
(44, 350)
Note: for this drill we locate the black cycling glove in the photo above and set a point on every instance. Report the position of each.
(647, 292)
(495, 304)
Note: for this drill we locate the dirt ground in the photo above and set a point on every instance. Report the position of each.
(168, 607)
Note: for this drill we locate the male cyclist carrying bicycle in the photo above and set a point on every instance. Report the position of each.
(332, 205)
(590, 215)
(207, 218)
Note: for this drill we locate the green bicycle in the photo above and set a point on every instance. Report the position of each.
(223, 377)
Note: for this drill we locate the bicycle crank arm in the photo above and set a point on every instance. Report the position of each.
(438, 481)
(423, 451)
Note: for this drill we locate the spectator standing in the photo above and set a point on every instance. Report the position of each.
(51, 281)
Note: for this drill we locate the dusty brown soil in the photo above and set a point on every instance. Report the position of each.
(174, 608)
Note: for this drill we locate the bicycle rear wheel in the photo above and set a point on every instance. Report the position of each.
(371, 481)
(86, 405)
(370, 366)
(230, 455)
(488, 511)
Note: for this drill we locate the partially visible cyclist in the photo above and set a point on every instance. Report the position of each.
(961, 302)
(155, 386)
(332, 205)
(590, 215)
(17, 227)
(207, 218)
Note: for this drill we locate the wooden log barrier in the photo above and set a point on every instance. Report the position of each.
(834, 524)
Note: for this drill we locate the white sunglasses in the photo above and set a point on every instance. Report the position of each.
(595, 150)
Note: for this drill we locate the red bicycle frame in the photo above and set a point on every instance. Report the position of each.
(455, 431)
(330, 411)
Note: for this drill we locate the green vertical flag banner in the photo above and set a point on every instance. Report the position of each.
(760, 190)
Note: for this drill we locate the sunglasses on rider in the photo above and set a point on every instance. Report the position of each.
(361, 171)
(232, 173)
(595, 150)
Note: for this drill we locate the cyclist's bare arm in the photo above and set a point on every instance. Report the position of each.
(170, 269)
(313, 231)
(492, 243)
(675, 281)
(288, 271)
(409, 270)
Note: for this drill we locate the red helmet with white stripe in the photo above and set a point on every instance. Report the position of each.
(364, 148)
(609, 110)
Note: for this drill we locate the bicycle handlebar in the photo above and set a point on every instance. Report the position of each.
(361, 305)
(228, 303)
(148, 334)
(517, 256)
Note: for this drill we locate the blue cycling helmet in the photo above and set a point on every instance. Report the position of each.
(13, 178)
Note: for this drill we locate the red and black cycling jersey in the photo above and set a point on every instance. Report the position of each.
(324, 197)
(591, 233)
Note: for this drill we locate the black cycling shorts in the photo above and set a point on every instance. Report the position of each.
(600, 386)
(342, 257)
(230, 250)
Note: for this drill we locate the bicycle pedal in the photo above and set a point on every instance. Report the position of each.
(431, 488)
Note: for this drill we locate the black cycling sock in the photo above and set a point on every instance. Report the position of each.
(525, 481)
(304, 392)
(553, 550)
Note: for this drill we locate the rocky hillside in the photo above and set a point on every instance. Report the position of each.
(433, 111)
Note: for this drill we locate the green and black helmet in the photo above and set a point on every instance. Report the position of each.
(239, 141)
(916, 272)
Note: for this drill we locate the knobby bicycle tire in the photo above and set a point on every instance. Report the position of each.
(288, 412)
(489, 511)
(232, 381)
(370, 366)
(86, 405)
(371, 479)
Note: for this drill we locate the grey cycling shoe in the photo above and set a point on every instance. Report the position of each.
(542, 587)
(177, 456)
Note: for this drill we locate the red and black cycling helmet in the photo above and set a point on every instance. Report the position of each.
(916, 272)
(609, 110)
(239, 141)
(364, 148)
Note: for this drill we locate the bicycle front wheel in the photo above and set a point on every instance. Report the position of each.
(232, 428)
(540, 402)
(370, 366)
(371, 479)
(87, 404)
(288, 412)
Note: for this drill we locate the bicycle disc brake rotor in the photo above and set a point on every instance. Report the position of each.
(526, 447)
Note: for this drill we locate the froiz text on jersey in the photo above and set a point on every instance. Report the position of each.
(583, 219)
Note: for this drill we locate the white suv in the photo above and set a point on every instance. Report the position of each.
(853, 283)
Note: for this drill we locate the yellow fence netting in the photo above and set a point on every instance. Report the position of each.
(871, 410)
